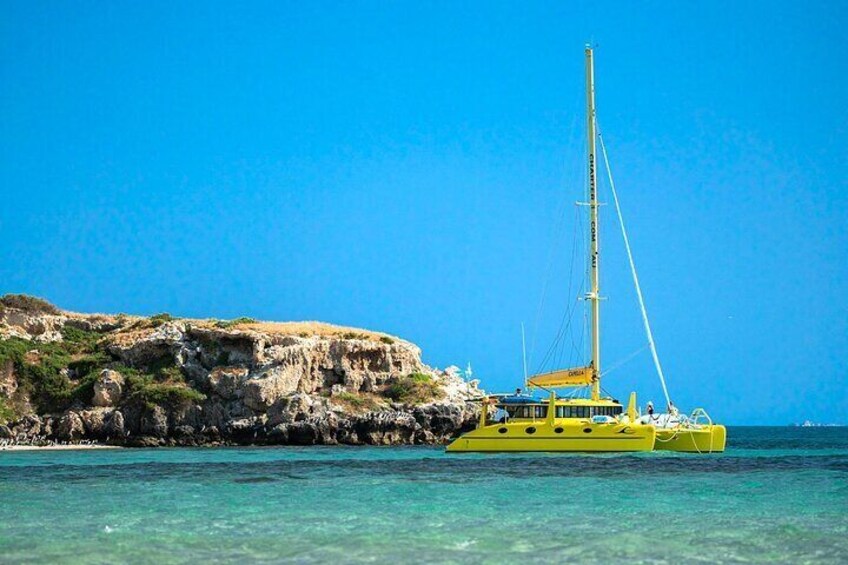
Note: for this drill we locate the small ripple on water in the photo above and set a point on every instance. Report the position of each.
(250, 480)
(449, 470)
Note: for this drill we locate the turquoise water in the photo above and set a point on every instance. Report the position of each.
(777, 494)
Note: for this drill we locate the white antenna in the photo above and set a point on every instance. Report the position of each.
(468, 372)
(524, 354)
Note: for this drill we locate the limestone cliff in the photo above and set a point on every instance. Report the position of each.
(162, 380)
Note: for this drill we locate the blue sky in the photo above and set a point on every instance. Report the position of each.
(412, 168)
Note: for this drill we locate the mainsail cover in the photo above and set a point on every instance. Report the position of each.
(580, 376)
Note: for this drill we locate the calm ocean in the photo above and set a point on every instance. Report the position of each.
(776, 495)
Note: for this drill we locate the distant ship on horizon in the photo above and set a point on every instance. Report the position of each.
(811, 424)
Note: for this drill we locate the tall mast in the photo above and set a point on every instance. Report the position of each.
(593, 295)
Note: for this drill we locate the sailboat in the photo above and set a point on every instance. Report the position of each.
(521, 422)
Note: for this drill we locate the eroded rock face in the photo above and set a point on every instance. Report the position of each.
(70, 427)
(94, 421)
(113, 425)
(108, 389)
(39, 327)
(154, 422)
(263, 390)
(227, 382)
(29, 426)
(142, 347)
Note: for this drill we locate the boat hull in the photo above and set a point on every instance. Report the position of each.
(576, 436)
(708, 439)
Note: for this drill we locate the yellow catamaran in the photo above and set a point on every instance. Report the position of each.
(596, 423)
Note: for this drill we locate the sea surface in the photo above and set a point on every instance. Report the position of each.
(776, 495)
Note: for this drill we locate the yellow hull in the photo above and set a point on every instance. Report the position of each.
(708, 439)
(563, 435)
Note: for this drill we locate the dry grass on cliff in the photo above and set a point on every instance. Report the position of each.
(320, 329)
(358, 403)
(133, 328)
(126, 337)
(137, 327)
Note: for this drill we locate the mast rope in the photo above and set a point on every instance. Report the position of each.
(559, 227)
(622, 362)
(560, 220)
(633, 272)
(565, 322)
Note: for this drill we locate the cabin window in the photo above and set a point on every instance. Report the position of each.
(558, 430)
(531, 430)
(518, 411)
(572, 412)
(527, 412)
(502, 430)
(587, 411)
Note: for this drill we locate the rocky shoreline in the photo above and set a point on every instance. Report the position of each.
(134, 381)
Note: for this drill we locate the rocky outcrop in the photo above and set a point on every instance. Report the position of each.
(108, 388)
(38, 327)
(70, 427)
(166, 381)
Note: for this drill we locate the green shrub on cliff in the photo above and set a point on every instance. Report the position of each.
(358, 402)
(6, 412)
(421, 377)
(160, 319)
(162, 369)
(414, 388)
(79, 339)
(28, 304)
(39, 368)
(352, 399)
(145, 390)
(226, 324)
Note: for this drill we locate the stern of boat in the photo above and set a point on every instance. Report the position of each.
(703, 439)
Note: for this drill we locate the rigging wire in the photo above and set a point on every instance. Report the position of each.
(571, 139)
(642, 307)
(557, 230)
(622, 362)
(565, 322)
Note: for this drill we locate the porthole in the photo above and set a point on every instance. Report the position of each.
(530, 430)
(587, 430)
(502, 430)
(558, 430)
